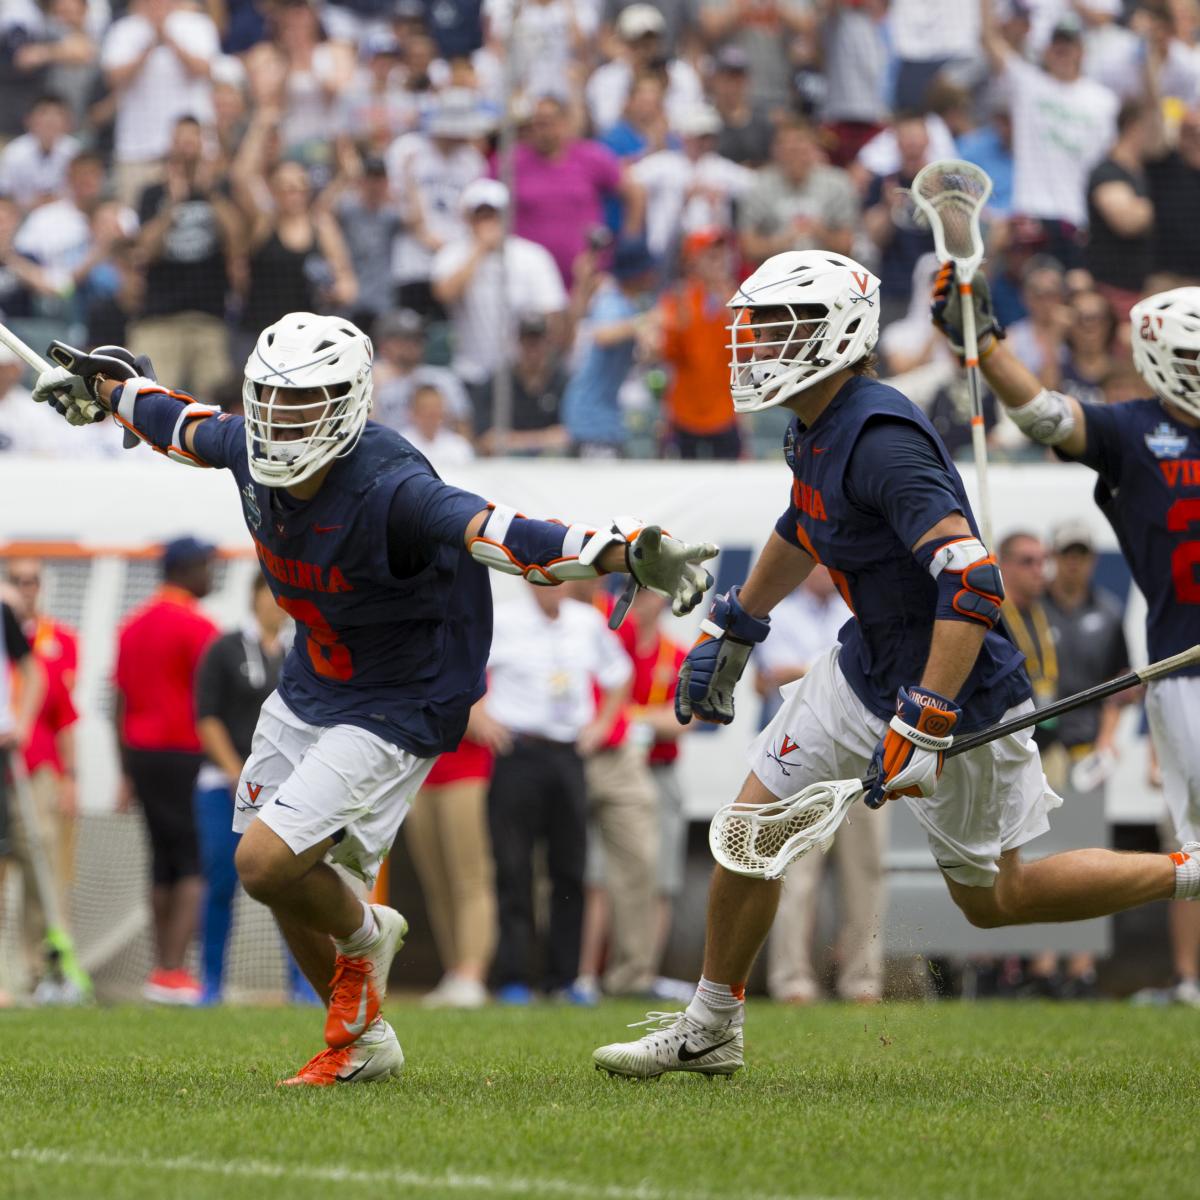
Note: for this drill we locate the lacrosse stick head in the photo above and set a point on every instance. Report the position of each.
(762, 841)
(950, 195)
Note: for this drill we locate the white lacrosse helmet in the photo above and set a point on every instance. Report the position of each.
(828, 319)
(288, 443)
(1166, 345)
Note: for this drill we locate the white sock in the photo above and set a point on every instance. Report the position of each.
(716, 1003)
(362, 937)
(1187, 875)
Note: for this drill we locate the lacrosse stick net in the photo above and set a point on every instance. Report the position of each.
(763, 841)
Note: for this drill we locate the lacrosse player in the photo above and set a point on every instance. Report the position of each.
(1147, 456)
(876, 498)
(383, 568)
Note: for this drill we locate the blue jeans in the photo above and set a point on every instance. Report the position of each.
(218, 843)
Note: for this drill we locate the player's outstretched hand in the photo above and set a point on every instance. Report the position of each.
(716, 662)
(67, 393)
(908, 759)
(671, 567)
(946, 309)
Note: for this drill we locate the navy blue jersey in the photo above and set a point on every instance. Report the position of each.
(398, 651)
(1149, 489)
(871, 477)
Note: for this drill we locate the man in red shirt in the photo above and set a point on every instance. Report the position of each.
(158, 649)
(49, 754)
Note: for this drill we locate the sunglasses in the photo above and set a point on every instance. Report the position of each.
(25, 581)
(1029, 560)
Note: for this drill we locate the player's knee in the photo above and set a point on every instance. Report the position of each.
(259, 875)
(983, 907)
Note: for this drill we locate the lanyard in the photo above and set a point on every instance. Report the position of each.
(1037, 645)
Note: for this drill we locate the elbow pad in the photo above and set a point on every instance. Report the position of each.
(159, 417)
(1047, 418)
(970, 587)
(546, 552)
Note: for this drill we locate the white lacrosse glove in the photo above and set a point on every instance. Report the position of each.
(670, 567)
(67, 393)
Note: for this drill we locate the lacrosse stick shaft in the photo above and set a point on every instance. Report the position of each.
(26, 354)
(978, 429)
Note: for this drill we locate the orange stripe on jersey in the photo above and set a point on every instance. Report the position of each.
(839, 580)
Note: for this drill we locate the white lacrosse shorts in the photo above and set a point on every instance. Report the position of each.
(989, 800)
(1173, 710)
(307, 782)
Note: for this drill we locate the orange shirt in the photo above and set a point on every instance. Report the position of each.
(56, 648)
(695, 345)
(157, 652)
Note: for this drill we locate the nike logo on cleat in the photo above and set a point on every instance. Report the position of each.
(356, 1027)
(361, 1067)
(687, 1054)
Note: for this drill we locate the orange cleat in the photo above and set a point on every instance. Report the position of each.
(376, 1055)
(359, 984)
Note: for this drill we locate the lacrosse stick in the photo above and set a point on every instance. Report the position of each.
(949, 195)
(762, 841)
(26, 354)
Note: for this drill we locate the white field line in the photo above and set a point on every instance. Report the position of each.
(450, 1181)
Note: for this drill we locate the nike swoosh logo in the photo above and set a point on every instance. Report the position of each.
(284, 804)
(361, 1067)
(687, 1054)
(358, 1026)
(820, 449)
(325, 528)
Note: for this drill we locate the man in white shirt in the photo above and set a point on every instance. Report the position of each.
(1062, 126)
(158, 61)
(33, 167)
(487, 282)
(693, 188)
(549, 655)
(428, 431)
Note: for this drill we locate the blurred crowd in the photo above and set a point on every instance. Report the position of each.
(538, 208)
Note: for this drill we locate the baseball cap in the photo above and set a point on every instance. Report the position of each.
(1068, 27)
(700, 240)
(639, 21)
(698, 120)
(632, 258)
(182, 551)
(733, 59)
(484, 193)
(1070, 535)
(532, 324)
(400, 322)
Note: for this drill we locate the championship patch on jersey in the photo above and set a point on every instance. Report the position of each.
(1165, 441)
(789, 447)
(250, 507)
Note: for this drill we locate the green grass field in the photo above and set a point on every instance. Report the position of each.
(901, 1101)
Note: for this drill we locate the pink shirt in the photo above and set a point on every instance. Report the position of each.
(560, 199)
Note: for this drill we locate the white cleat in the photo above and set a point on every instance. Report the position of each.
(455, 992)
(360, 982)
(375, 1056)
(676, 1042)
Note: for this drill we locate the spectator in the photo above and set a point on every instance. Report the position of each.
(21, 279)
(237, 672)
(303, 75)
(33, 167)
(881, 155)
(692, 188)
(699, 418)
(762, 30)
(930, 38)
(455, 25)
(298, 260)
(1022, 559)
(111, 314)
(487, 282)
(990, 146)
(889, 221)
(1174, 179)
(49, 758)
(447, 834)
(1037, 338)
(539, 380)
(679, 16)
(63, 58)
(560, 183)
(547, 650)
(1120, 58)
(1062, 123)
(159, 647)
(428, 431)
(640, 28)
(189, 233)
(746, 126)
(1120, 246)
(378, 107)
(400, 368)
(643, 126)
(359, 198)
(855, 62)
(547, 40)
(25, 427)
(1089, 358)
(798, 203)
(429, 173)
(1089, 641)
(157, 61)
(619, 321)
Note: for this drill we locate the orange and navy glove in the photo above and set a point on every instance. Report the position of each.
(946, 310)
(908, 760)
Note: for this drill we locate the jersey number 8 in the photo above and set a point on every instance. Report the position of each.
(330, 659)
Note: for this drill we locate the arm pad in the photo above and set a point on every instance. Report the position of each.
(545, 552)
(1047, 418)
(970, 587)
(159, 417)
